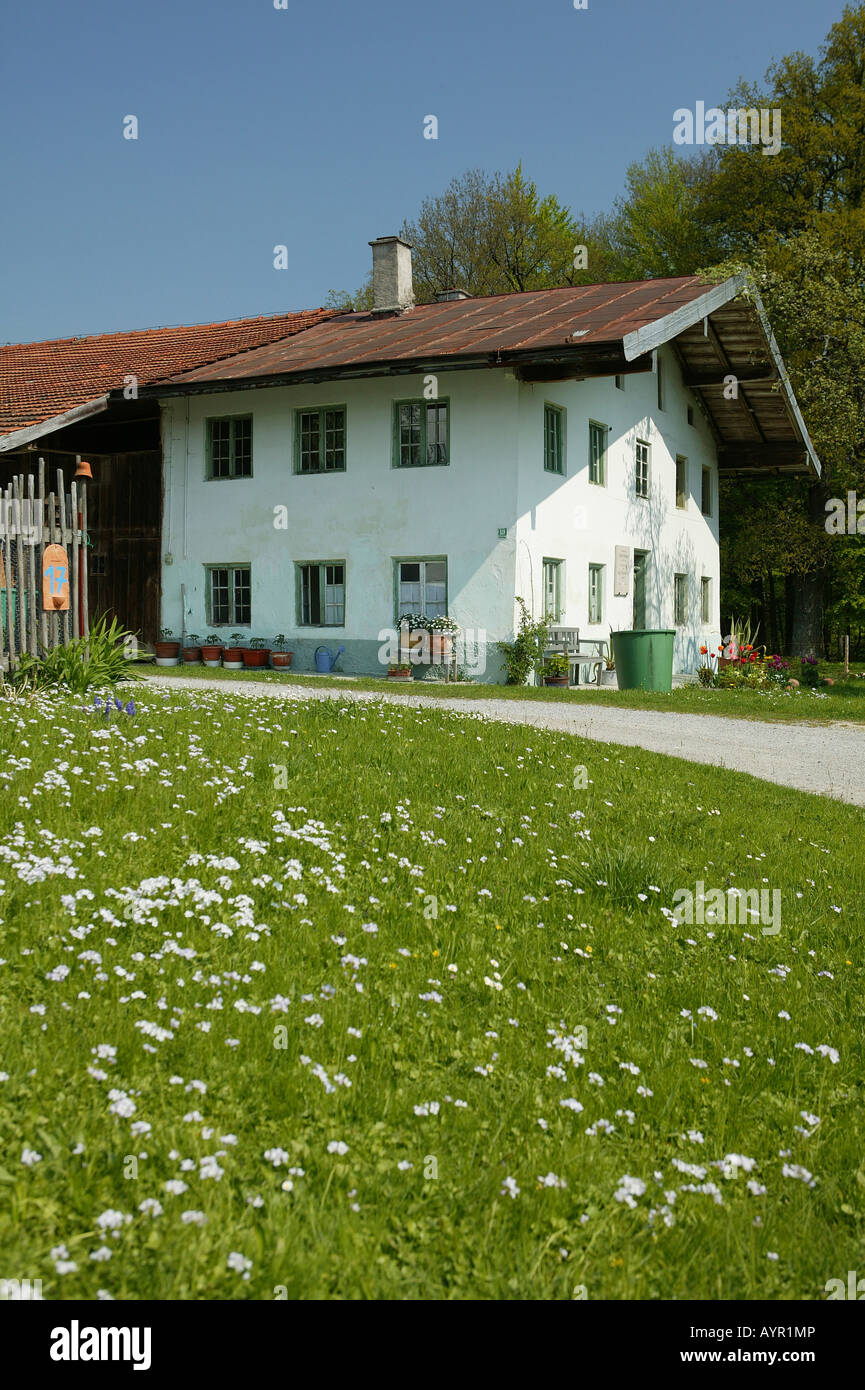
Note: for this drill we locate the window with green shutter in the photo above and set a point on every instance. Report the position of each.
(321, 595)
(553, 589)
(597, 453)
(421, 434)
(320, 440)
(554, 439)
(596, 593)
(229, 446)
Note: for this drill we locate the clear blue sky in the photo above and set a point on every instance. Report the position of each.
(305, 127)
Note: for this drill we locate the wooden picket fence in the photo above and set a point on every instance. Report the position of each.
(30, 520)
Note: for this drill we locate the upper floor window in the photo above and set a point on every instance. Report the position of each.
(597, 453)
(421, 433)
(321, 440)
(681, 481)
(641, 474)
(620, 383)
(659, 371)
(596, 593)
(554, 439)
(229, 447)
(706, 495)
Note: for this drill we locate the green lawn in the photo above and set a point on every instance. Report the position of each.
(845, 701)
(317, 987)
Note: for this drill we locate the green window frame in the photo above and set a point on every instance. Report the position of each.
(421, 433)
(620, 383)
(681, 482)
(320, 593)
(553, 573)
(228, 595)
(554, 439)
(420, 586)
(706, 492)
(229, 447)
(659, 372)
(680, 600)
(705, 600)
(320, 439)
(641, 468)
(598, 453)
(596, 594)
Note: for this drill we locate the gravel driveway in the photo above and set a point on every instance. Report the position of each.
(828, 759)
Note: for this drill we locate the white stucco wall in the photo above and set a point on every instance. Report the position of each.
(571, 519)
(373, 513)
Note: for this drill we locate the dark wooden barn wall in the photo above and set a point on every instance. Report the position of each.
(124, 508)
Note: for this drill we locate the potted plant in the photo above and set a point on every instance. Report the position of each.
(192, 650)
(211, 651)
(608, 674)
(524, 655)
(280, 659)
(555, 670)
(232, 655)
(257, 654)
(167, 649)
(399, 672)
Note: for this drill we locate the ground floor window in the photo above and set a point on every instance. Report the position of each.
(422, 588)
(705, 600)
(322, 594)
(641, 569)
(596, 593)
(229, 595)
(553, 589)
(680, 600)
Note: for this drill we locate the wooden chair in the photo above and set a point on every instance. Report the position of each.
(565, 641)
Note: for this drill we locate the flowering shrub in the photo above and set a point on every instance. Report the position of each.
(810, 671)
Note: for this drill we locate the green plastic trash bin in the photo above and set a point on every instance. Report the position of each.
(644, 659)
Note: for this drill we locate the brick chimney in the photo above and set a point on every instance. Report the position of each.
(392, 291)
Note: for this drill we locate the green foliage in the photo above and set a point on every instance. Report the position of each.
(86, 663)
(525, 654)
(554, 666)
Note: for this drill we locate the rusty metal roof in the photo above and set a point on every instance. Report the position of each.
(533, 321)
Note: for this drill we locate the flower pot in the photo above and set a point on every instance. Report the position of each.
(280, 661)
(232, 656)
(211, 656)
(610, 679)
(403, 674)
(556, 680)
(256, 656)
(191, 655)
(167, 651)
(441, 648)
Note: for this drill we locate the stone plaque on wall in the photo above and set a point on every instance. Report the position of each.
(622, 581)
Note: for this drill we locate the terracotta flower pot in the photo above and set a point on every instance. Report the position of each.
(280, 661)
(403, 673)
(167, 650)
(556, 680)
(191, 655)
(256, 656)
(211, 656)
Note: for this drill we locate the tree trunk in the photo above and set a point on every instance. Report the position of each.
(808, 589)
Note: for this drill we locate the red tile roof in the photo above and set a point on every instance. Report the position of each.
(535, 320)
(39, 381)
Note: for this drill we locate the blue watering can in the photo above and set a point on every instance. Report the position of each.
(325, 660)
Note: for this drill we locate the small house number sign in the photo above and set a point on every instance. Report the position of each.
(55, 579)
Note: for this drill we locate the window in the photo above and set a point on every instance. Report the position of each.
(690, 415)
(659, 371)
(706, 496)
(229, 447)
(553, 572)
(320, 443)
(681, 481)
(680, 600)
(620, 383)
(705, 600)
(641, 569)
(322, 594)
(421, 431)
(229, 595)
(596, 593)
(422, 588)
(597, 453)
(641, 482)
(554, 439)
